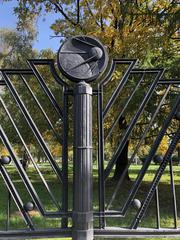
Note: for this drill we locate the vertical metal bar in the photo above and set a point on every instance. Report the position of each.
(82, 175)
(101, 186)
(8, 210)
(65, 158)
(157, 207)
(173, 193)
(78, 11)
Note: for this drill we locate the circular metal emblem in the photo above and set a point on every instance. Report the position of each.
(82, 58)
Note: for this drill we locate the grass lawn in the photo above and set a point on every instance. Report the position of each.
(165, 198)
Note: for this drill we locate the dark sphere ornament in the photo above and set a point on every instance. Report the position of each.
(5, 159)
(82, 58)
(29, 206)
(136, 204)
(157, 159)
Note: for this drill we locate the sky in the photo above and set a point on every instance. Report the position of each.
(8, 20)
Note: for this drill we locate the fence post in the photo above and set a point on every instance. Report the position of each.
(82, 174)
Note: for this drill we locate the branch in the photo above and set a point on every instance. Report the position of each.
(60, 9)
(101, 20)
(91, 13)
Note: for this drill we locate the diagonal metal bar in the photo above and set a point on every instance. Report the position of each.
(50, 63)
(33, 126)
(132, 124)
(156, 180)
(152, 152)
(46, 89)
(27, 182)
(124, 108)
(150, 123)
(19, 203)
(32, 160)
(118, 185)
(120, 85)
(59, 138)
(21, 171)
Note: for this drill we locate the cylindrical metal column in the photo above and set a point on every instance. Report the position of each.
(82, 207)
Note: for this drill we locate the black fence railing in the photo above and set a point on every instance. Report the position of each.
(42, 194)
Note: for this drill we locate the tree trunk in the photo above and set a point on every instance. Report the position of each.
(122, 163)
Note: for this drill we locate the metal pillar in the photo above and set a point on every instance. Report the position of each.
(82, 207)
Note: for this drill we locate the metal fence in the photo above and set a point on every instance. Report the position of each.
(36, 202)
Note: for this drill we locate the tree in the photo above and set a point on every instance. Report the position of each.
(141, 28)
(122, 160)
(15, 48)
(144, 29)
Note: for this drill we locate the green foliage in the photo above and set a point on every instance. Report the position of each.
(143, 29)
(15, 48)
